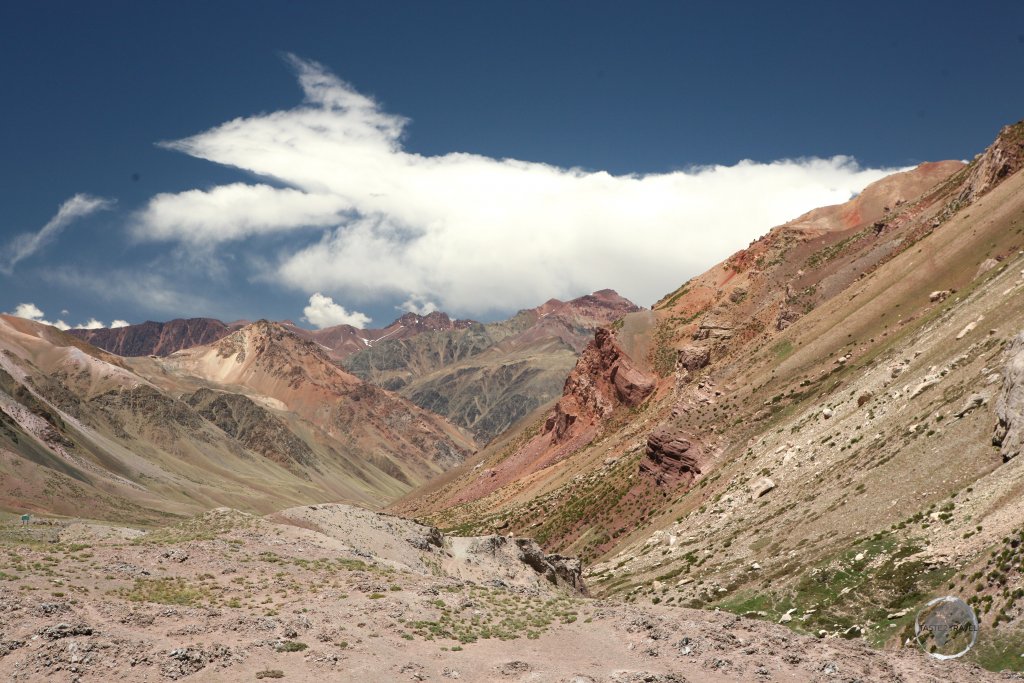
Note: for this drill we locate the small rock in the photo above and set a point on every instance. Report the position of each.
(175, 555)
(973, 401)
(969, 327)
(514, 668)
(761, 487)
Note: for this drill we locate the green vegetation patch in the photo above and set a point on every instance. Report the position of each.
(844, 591)
(164, 592)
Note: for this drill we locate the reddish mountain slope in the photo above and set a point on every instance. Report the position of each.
(156, 339)
(274, 367)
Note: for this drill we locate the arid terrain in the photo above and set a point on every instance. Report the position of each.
(330, 592)
(762, 478)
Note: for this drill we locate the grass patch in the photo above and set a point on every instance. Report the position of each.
(164, 592)
(782, 348)
(998, 651)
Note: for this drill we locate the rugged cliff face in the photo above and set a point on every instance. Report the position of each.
(603, 379)
(1009, 431)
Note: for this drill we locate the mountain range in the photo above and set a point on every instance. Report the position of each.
(822, 431)
(483, 377)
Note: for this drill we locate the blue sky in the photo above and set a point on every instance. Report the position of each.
(624, 125)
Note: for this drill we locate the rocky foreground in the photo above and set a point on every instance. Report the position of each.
(332, 592)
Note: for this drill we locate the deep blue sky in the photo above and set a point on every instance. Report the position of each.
(625, 87)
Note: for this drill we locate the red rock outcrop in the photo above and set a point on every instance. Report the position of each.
(693, 358)
(604, 377)
(671, 458)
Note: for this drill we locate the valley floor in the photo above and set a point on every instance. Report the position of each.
(333, 593)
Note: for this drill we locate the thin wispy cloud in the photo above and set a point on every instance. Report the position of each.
(466, 232)
(27, 244)
(150, 289)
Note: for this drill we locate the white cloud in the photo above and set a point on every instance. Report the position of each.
(24, 245)
(323, 312)
(119, 323)
(30, 311)
(471, 233)
(237, 210)
(418, 305)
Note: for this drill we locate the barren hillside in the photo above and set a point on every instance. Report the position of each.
(805, 432)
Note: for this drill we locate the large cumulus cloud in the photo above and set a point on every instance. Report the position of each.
(373, 222)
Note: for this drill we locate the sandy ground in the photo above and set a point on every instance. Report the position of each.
(331, 593)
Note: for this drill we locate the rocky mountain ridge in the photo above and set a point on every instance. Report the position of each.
(817, 448)
(488, 377)
(259, 419)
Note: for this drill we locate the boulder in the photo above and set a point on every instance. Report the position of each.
(670, 457)
(973, 401)
(693, 358)
(786, 317)
(761, 487)
(1009, 430)
(631, 385)
(926, 383)
(968, 328)
(986, 265)
(938, 295)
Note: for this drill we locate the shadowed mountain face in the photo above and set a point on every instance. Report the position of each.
(258, 420)
(488, 377)
(818, 430)
(159, 339)
(163, 339)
